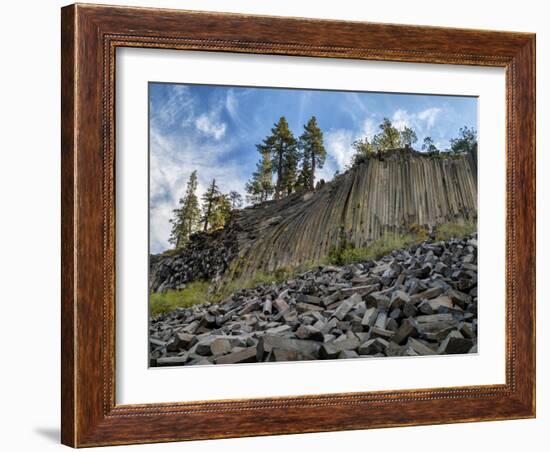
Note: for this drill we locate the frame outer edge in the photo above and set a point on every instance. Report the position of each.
(86, 420)
(534, 226)
(525, 61)
(68, 230)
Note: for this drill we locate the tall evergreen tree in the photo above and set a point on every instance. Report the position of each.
(313, 153)
(221, 211)
(260, 187)
(304, 177)
(388, 138)
(235, 199)
(408, 137)
(186, 217)
(465, 142)
(284, 156)
(210, 199)
(428, 145)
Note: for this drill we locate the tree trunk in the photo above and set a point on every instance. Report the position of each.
(312, 178)
(207, 215)
(279, 176)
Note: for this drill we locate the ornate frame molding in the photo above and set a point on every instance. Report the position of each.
(90, 37)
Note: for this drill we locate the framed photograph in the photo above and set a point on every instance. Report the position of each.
(280, 225)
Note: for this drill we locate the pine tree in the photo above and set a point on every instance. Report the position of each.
(221, 211)
(363, 148)
(304, 177)
(235, 199)
(260, 187)
(255, 195)
(429, 146)
(466, 141)
(313, 153)
(186, 217)
(284, 156)
(210, 199)
(388, 138)
(290, 171)
(408, 137)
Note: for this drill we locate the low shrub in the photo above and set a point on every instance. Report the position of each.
(454, 229)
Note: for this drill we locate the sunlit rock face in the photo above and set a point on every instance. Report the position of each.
(388, 193)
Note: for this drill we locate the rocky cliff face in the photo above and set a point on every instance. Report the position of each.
(387, 193)
(206, 257)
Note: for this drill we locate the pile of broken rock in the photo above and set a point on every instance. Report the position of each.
(419, 301)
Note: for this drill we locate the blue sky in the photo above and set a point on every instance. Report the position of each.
(214, 129)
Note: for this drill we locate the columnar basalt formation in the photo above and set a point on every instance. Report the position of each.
(385, 193)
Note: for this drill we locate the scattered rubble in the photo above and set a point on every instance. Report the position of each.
(420, 301)
(207, 256)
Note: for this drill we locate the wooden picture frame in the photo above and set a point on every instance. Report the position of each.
(90, 36)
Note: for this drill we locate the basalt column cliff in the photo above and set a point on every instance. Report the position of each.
(384, 193)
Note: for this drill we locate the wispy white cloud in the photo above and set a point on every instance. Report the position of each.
(338, 142)
(172, 159)
(421, 121)
(429, 116)
(357, 103)
(329, 169)
(210, 125)
(187, 136)
(303, 100)
(338, 145)
(402, 119)
(368, 130)
(177, 110)
(232, 104)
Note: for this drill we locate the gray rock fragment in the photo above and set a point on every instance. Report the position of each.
(346, 306)
(181, 341)
(248, 355)
(373, 346)
(419, 347)
(406, 330)
(370, 317)
(455, 343)
(309, 332)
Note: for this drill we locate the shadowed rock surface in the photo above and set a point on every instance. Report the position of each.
(385, 193)
(206, 257)
(419, 301)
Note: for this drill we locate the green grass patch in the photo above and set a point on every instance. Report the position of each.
(454, 230)
(200, 292)
(348, 254)
(195, 293)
